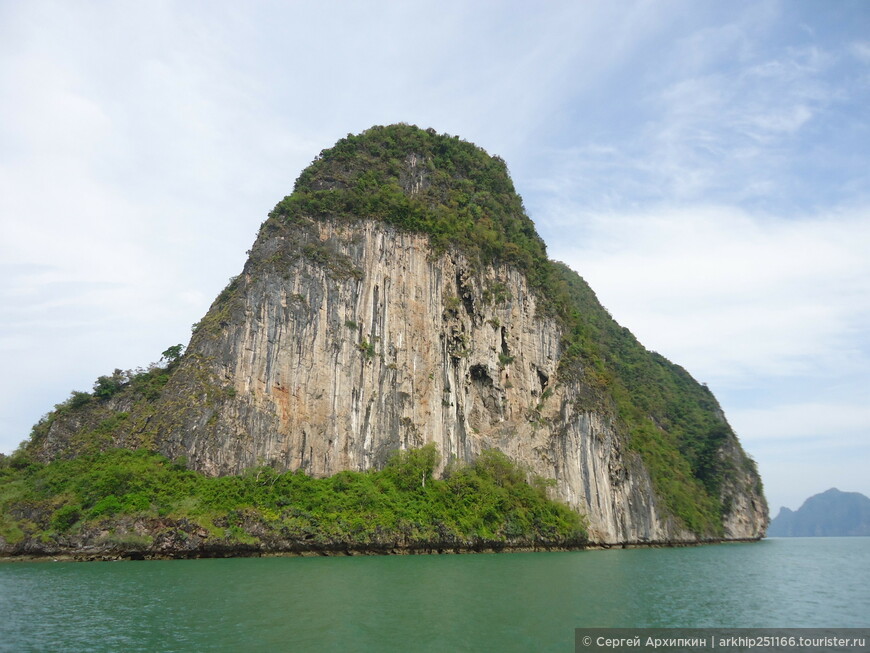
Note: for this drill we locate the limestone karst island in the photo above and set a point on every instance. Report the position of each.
(398, 368)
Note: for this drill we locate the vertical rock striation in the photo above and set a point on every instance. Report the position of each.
(348, 336)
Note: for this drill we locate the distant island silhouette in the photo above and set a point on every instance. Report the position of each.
(830, 514)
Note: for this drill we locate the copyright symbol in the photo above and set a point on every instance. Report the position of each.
(587, 641)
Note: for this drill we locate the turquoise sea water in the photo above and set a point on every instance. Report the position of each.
(486, 602)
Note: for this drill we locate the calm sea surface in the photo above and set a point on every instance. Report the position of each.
(497, 602)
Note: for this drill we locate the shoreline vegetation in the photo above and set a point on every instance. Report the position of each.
(123, 504)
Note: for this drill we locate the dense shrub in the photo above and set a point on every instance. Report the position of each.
(489, 500)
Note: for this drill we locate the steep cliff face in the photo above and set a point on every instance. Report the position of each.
(348, 336)
(333, 371)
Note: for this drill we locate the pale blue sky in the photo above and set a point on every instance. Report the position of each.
(703, 165)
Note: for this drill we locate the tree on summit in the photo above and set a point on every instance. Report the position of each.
(172, 354)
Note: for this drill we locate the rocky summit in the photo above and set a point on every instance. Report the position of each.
(401, 296)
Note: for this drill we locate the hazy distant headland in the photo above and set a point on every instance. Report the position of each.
(830, 514)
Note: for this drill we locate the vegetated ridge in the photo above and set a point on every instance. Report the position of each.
(399, 299)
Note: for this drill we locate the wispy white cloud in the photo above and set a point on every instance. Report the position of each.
(717, 129)
(861, 51)
(732, 295)
(844, 422)
(724, 117)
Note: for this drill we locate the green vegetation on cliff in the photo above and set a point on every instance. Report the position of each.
(674, 422)
(422, 181)
(99, 423)
(461, 197)
(124, 500)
